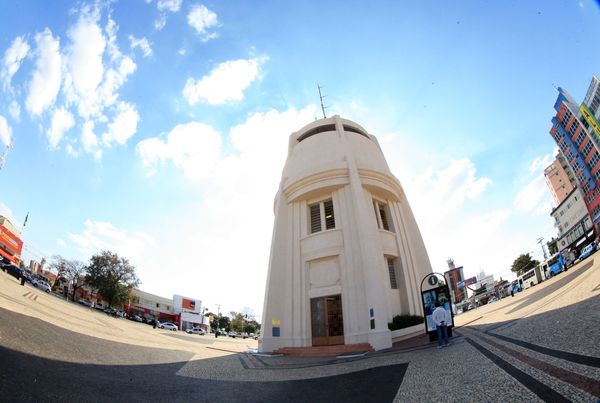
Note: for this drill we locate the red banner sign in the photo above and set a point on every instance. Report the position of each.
(10, 241)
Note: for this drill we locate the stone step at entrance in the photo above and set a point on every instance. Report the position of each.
(326, 351)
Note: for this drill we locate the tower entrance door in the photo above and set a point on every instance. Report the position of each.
(327, 321)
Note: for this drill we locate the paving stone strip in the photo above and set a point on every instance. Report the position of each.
(544, 392)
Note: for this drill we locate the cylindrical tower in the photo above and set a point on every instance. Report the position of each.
(346, 254)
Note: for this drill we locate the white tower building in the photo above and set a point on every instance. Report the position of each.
(346, 255)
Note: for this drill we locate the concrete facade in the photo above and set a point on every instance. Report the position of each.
(559, 179)
(571, 219)
(343, 227)
(576, 130)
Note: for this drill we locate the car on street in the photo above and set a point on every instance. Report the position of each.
(587, 251)
(168, 326)
(196, 330)
(232, 334)
(85, 302)
(41, 284)
(136, 318)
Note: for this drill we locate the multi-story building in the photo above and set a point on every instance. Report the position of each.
(572, 221)
(559, 178)
(151, 306)
(347, 255)
(576, 130)
(455, 279)
(11, 244)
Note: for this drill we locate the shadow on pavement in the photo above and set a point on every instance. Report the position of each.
(134, 374)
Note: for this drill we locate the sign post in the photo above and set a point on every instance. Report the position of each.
(435, 290)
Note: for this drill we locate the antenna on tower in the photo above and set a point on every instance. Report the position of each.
(5, 154)
(321, 96)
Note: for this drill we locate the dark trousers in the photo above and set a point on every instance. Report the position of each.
(442, 330)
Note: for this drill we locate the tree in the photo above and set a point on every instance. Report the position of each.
(552, 246)
(523, 263)
(112, 276)
(70, 270)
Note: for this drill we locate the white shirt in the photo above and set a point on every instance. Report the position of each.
(439, 315)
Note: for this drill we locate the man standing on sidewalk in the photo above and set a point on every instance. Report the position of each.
(439, 317)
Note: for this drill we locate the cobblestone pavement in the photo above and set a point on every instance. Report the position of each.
(541, 345)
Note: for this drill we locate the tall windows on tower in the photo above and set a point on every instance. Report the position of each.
(383, 216)
(321, 216)
(392, 272)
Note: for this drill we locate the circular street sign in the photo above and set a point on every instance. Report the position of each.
(432, 280)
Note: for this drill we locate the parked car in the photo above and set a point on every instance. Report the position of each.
(14, 271)
(168, 326)
(232, 334)
(41, 284)
(196, 330)
(587, 251)
(85, 302)
(136, 318)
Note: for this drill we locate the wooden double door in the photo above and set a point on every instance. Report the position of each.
(327, 320)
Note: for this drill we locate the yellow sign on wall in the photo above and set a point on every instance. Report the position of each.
(275, 322)
(587, 115)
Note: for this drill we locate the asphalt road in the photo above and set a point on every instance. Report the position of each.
(69, 366)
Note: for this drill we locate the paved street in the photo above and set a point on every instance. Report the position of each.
(541, 345)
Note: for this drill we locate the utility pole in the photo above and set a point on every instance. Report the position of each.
(540, 239)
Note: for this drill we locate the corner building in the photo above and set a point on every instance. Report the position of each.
(576, 130)
(346, 254)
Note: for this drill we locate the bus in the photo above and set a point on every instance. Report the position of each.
(531, 277)
(555, 265)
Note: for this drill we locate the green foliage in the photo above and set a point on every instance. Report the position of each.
(404, 321)
(219, 322)
(552, 246)
(523, 263)
(112, 276)
(243, 322)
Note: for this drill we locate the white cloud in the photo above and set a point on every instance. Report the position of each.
(85, 68)
(141, 43)
(89, 140)
(12, 60)
(160, 22)
(533, 196)
(201, 19)
(225, 83)
(98, 236)
(123, 126)
(71, 151)
(445, 190)
(46, 78)
(5, 131)
(163, 7)
(182, 52)
(194, 147)
(60, 242)
(237, 210)
(62, 121)
(14, 109)
(7, 212)
(541, 163)
(168, 5)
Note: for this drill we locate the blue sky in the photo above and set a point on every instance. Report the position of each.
(158, 129)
